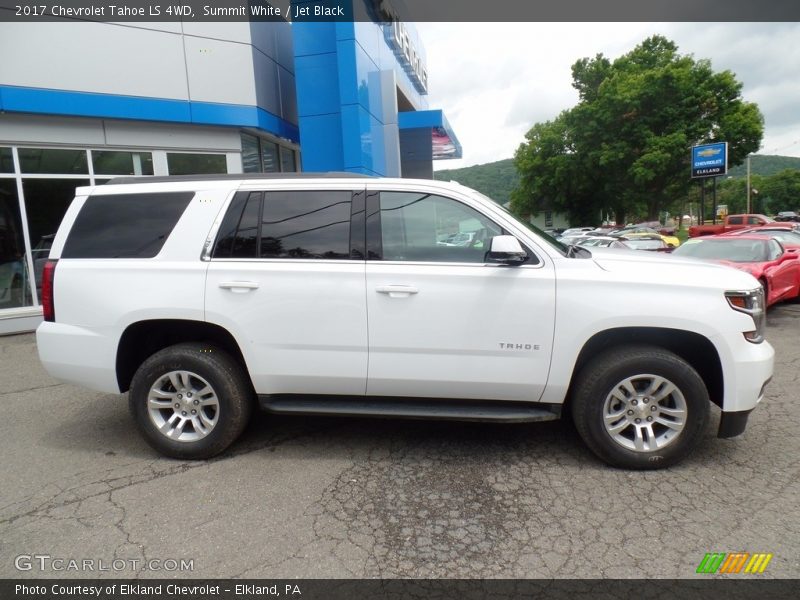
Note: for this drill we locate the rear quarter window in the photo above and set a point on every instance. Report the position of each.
(125, 225)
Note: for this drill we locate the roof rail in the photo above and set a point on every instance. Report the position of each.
(235, 176)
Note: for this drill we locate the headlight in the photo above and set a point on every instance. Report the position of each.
(752, 303)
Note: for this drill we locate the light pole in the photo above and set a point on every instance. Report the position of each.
(748, 184)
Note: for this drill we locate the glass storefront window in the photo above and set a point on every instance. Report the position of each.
(107, 162)
(46, 201)
(6, 161)
(57, 162)
(260, 155)
(269, 156)
(15, 290)
(196, 164)
(251, 154)
(287, 160)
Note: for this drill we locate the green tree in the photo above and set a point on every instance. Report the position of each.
(781, 191)
(624, 147)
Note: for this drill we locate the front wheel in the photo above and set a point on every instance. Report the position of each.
(190, 401)
(640, 407)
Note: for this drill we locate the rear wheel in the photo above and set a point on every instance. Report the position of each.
(640, 407)
(190, 401)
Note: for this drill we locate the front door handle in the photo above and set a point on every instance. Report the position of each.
(397, 291)
(239, 287)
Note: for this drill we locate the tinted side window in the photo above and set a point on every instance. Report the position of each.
(238, 233)
(227, 229)
(735, 221)
(424, 227)
(306, 224)
(245, 244)
(125, 225)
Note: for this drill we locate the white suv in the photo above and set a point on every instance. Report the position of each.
(334, 295)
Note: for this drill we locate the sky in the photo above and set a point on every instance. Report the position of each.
(495, 80)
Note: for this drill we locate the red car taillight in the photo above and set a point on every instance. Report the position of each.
(48, 303)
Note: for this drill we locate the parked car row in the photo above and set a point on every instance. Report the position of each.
(654, 243)
(634, 237)
(647, 233)
(734, 222)
(770, 254)
(640, 242)
(600, 241)
(768, 250)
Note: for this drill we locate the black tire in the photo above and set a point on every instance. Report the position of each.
(228, 382)
(601, 376)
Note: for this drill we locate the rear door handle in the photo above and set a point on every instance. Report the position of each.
(239, 287)
(397, 291)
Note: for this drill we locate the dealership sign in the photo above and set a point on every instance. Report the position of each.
(710, 160)
(400, 42)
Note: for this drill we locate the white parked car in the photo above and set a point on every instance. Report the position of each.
(201, 296)
(573, 231)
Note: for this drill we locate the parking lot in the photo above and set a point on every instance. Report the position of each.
(326, 497)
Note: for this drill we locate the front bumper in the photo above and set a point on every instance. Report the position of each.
(734, 423)
(746, 373)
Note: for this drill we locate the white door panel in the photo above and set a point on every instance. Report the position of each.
(302, 324)
(459, 331)
(281, 281)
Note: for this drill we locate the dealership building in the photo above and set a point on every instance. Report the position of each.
(83, 102)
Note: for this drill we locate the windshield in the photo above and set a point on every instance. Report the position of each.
(544, 236)
(788, 237)
(734, 250)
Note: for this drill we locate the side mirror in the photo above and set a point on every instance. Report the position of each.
(506, 250)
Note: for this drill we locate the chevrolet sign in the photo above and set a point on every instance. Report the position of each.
(710, 160)
(399, 41)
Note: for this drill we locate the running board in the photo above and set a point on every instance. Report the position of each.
(410, 408)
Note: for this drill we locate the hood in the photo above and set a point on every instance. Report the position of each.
(752, 268)
(660, 267)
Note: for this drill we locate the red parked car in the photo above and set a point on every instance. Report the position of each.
(789, 238)
(777, 268)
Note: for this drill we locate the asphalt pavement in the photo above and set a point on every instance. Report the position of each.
(340, 497)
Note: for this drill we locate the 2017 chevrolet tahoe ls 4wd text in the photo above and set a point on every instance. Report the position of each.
(337, 294)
